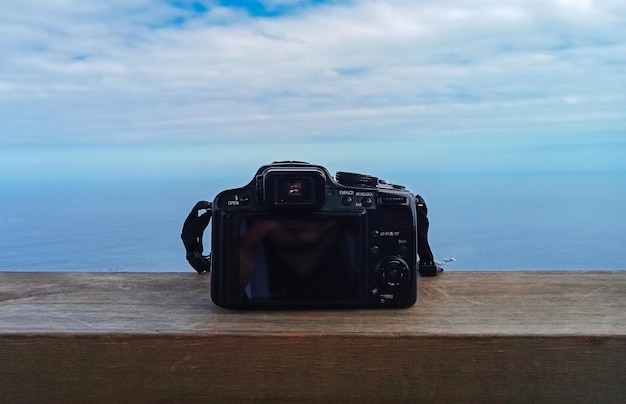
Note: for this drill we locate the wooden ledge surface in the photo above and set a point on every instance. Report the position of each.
(454, 303)
(157, 337)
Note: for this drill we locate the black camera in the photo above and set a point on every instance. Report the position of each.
(295, 237)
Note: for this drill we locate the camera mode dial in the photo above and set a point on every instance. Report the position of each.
(354, 179)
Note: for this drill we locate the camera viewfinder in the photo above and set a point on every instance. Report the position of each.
(304, 190)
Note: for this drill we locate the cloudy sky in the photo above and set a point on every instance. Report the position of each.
(157, 72)
(184, 90)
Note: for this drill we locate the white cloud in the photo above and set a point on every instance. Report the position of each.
(146, 71)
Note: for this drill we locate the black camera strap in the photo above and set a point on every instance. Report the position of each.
(193, 231)
(426, 265)
(196, 223)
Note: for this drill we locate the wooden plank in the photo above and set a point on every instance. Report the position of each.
(303, 369)
(497, 303)
(479, 336)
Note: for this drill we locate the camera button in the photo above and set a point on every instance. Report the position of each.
(375, 250)
(346, 200)
(402, 250)
(367, 201)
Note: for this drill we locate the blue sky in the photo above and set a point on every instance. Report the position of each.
(174, 74)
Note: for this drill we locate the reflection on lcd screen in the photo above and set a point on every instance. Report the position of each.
(308, 260)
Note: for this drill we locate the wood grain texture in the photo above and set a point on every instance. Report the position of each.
(472, 336)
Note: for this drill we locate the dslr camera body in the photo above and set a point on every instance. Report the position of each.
(295, 237)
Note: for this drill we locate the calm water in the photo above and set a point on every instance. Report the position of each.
(487, 221)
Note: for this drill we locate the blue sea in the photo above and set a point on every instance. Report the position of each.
(487, 221)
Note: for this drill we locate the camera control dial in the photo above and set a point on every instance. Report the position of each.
(354, 179)
(393, 274)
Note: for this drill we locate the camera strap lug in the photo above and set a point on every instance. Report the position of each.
(193, 230)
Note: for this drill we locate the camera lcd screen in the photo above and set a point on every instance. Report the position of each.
(295, 259)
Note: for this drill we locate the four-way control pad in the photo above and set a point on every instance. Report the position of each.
(393, 274)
